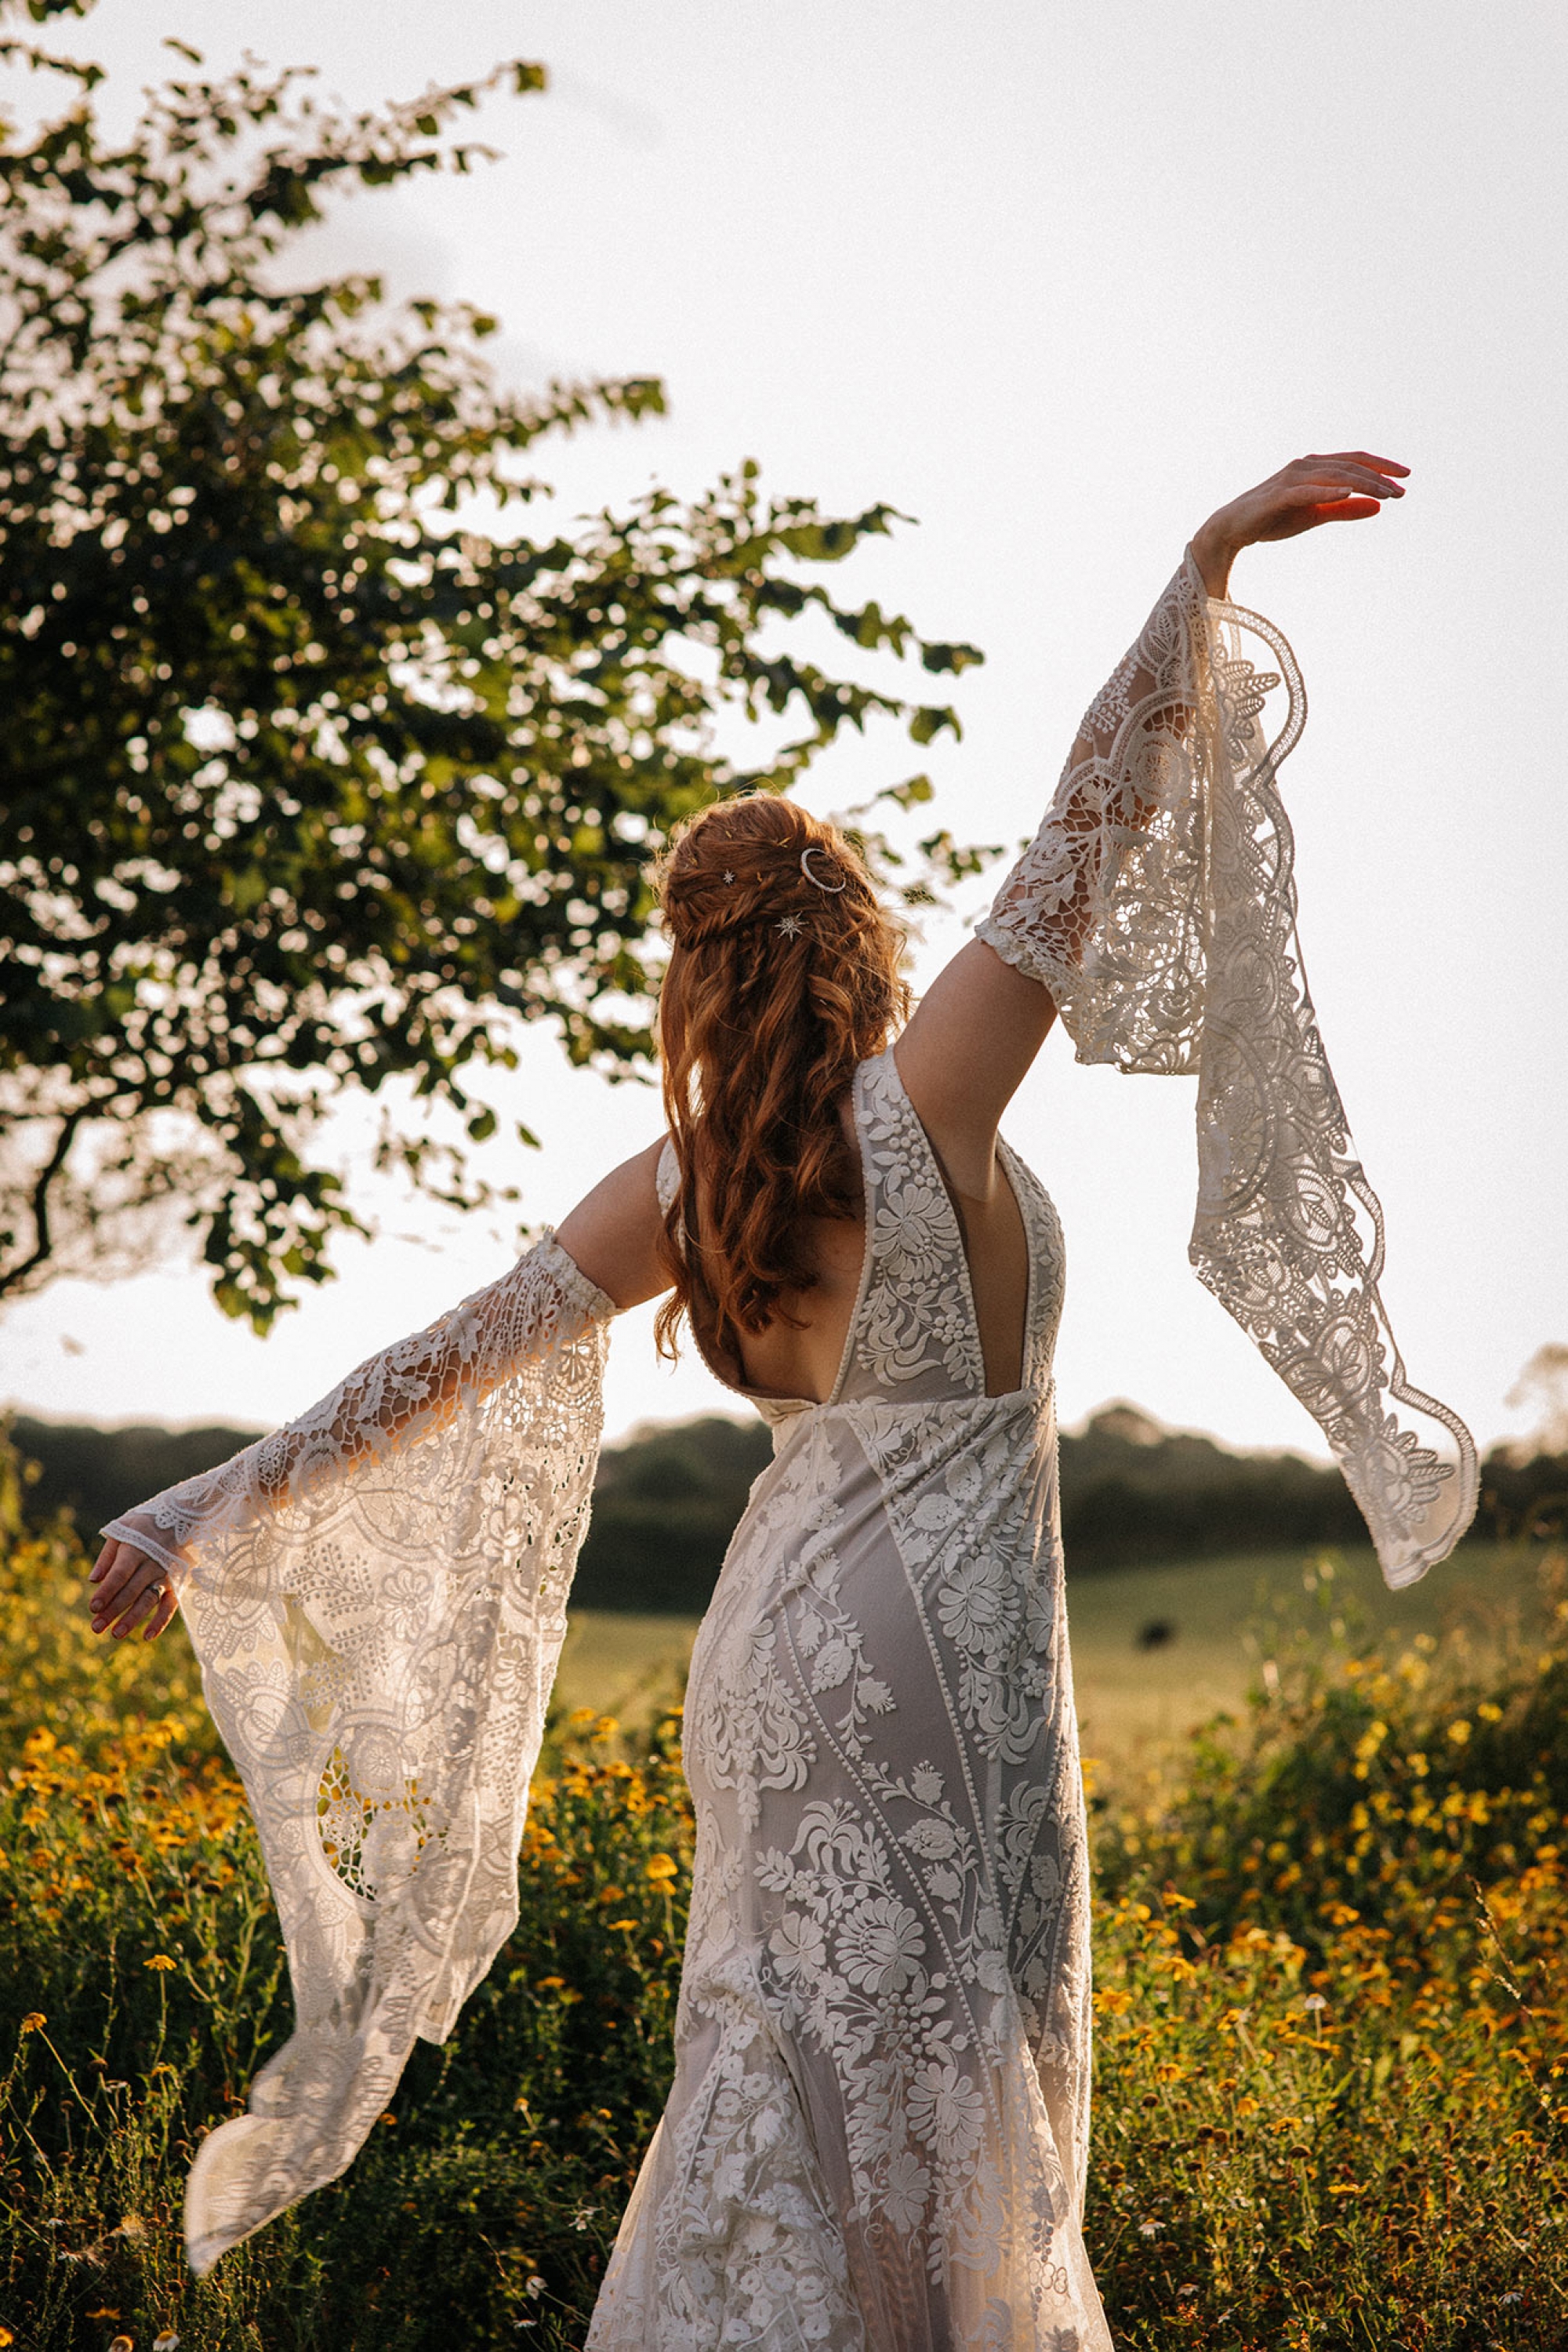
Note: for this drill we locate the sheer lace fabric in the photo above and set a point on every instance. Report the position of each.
(1157, 904)
(876, 2137)
(377, 1598)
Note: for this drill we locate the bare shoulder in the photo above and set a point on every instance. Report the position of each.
(613, 1232)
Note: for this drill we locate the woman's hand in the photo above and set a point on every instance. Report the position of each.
(1344, 488)
(128, 1589)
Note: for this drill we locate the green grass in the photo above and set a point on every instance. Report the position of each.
(629, 1666)
(1227, 1617)
(1331, 1989)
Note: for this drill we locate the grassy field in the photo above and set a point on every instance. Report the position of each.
(1221, 1619)
(1330, 1986)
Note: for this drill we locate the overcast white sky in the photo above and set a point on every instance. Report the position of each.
(1056, 278)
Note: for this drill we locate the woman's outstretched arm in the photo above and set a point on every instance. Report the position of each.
(984, 1019)
(611, 1238)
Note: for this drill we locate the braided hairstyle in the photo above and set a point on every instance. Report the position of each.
(782, 977)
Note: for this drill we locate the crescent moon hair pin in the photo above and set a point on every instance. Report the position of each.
(832, 888)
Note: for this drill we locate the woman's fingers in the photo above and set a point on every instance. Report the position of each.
(117, 1565)
(144, 1599)
(1347, 477)
(1311, 503)
(1358, 457)
(129, 1589)
(1337, 485)
(144, 1610)
(1324, 494)
(162, 1615)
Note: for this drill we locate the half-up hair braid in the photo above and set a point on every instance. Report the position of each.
(784, 975)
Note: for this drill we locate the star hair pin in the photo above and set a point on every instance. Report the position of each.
(790, 925)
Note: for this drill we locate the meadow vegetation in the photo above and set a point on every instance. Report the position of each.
(1331, 2041)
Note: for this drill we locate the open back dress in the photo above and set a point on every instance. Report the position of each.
(877, 2131)
(877, 2138)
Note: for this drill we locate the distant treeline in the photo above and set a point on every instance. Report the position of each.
(668, 1500)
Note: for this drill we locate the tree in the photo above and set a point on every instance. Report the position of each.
(311, 782)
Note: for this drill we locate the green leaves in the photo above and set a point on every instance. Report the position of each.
(311, 784)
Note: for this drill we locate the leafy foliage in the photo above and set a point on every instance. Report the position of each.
(321, 774)
(667, 1498)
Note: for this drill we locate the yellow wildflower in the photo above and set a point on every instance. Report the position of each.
(33, 2020)
(661, 1866)
(159, 1961)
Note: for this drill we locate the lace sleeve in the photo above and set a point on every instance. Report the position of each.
(376, 1595)
(1158, 905)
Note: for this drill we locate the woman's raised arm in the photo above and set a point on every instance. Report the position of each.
(987, 1013)
(1155, 912)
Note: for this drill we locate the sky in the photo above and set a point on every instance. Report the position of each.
(1056, 279)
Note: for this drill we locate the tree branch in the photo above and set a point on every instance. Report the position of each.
(11, 1278)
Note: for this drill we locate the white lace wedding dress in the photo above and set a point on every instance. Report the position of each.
(877, 2131)
(877, 2138)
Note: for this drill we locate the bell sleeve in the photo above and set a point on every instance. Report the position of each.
(1157, 904)
(376, 1595)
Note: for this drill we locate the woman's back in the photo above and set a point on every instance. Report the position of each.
(957, 1281)
(800, 1353)
(876, 2134)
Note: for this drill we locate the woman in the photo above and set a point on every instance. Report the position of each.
(876, 2135)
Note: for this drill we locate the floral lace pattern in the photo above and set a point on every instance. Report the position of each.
(377, 1598)
(876, 2137)
(1157, 904)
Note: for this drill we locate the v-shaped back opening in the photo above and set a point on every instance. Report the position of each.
(668, 1177)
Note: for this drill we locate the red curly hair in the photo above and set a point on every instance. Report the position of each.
(781, 980)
